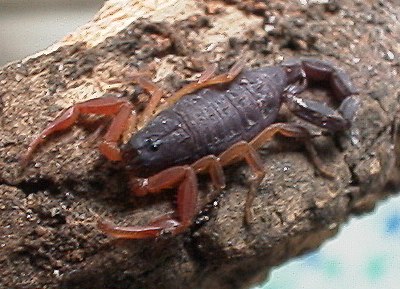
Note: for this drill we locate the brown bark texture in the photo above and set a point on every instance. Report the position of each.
(48, 213)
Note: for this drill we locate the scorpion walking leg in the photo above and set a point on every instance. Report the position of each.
(207, 80)
(247, 151)
(296, 131)
(109, 146)
(208, 73)
(212, 165)
(237, 152)
(129, 232)
(182, 176)
(139, 78)
(156, 94)
(111, 105)
(185, 178)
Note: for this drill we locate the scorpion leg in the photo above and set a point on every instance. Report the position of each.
(295, 131)
(141, 78)
(247, 151)
(109, 146)
(317, 112)
(185, 178)
(128, 232)
(121, 108)
(207, 80)
(156, 94)
(208, 73)
(182, 176)
(212, 165)
(244, 150)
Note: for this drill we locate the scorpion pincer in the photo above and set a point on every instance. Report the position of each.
(208, 125)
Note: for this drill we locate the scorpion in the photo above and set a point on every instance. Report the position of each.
(207, 125)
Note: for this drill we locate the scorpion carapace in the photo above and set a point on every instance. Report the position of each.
(208, 125)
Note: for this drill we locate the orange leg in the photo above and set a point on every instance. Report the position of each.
(207, 80)
(184, 177)
(237, 152)
(212, 165)
(121, 108)
(296, 131)
(247, 151)
(109, 146)
(156, 94)
(208, 73)
(128, 232)
(141, 78)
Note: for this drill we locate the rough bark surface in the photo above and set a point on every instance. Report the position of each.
(48, 213)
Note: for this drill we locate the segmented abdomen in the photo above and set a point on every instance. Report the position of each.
(218, 117)
(208, 121)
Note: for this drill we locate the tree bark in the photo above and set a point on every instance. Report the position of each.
(48, 232)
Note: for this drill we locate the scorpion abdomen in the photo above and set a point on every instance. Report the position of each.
(209, 121)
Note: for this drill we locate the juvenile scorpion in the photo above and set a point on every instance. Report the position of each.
(209, 124)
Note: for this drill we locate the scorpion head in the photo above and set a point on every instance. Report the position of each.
(154, 148)
(145, 153)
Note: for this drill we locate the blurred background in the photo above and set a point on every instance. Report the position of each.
(28, 26)
(366, 253)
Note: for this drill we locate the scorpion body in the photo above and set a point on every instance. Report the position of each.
(209, 121)
(210, 124)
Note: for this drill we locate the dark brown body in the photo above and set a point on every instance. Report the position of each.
(209, 121)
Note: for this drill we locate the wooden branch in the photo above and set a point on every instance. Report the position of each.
(48, 232)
